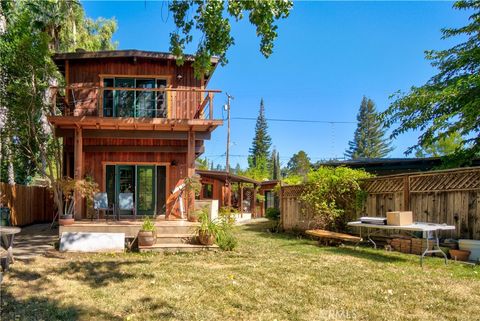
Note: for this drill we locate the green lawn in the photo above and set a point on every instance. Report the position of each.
(269, 277)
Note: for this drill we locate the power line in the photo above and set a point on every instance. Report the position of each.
(297, 120)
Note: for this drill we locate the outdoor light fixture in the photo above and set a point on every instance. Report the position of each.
(173, 163)
(179, 77)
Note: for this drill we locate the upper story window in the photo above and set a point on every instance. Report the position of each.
(133, 101)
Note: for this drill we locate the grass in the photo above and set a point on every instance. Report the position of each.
(268, 277)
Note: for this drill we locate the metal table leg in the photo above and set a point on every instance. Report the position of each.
(436, 245)
(368, 239)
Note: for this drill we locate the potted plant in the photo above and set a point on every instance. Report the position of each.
(147, 235)
(459, 255)
(85, 187)
(207, 230)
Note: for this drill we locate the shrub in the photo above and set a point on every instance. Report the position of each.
(273, 214)
(225, 238)
(330, 194)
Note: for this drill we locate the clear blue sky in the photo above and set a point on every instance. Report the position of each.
(327, 56)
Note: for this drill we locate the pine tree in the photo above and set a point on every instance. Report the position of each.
(260, 150)
(369, 140)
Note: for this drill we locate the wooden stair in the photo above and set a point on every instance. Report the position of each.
(171, 239)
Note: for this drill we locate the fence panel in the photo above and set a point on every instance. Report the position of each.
(28, 204)
(448, 196)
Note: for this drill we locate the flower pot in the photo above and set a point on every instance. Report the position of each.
(146, 238)
(460, 255)
(206, 238)
(66, 220)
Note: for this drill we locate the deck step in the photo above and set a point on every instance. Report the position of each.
(182, 238)
(170, 248)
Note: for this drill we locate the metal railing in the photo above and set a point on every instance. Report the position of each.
(170, 103)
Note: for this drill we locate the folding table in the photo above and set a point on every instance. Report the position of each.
(415, 227)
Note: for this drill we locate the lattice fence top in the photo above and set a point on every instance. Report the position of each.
(391, 184)
(292, 191)
(463, 180)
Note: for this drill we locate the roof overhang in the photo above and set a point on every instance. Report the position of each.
(223, 176)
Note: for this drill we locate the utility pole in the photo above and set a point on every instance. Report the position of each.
(227, 106)
(227, 165)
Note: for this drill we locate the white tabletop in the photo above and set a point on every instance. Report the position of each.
(417, 226)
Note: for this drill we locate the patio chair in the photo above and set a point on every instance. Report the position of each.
(100, 203)
(126, 203)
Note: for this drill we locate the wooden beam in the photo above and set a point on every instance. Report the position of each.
(78, 174)
(137, 149)
(133, 134)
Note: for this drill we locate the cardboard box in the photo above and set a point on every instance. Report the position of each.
(399, 218)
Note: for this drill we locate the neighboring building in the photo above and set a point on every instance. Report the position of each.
(134, 121)
(390, 166)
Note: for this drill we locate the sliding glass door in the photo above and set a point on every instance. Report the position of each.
(147, 183)
(134, 103)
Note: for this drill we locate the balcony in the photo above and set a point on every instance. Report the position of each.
(180, 109)
(127, 102)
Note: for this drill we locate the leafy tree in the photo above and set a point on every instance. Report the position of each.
(369, 140)
(449, 102)
(238, 169)
(33, 31)
(258, 159)
(299, 164)
(442, 147)
(211, 19)
(202, 163)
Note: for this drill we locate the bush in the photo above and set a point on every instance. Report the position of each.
(273, 214)
(225, 238)
(330, 194)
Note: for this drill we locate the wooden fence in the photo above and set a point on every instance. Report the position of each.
(28, 204)
(449, 196)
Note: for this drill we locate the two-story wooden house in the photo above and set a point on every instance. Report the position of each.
(133, 121)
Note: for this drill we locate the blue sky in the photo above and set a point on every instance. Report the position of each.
(327, 56)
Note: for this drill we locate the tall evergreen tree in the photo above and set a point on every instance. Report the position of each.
(260, 150)
(275, 162)
(369, 140)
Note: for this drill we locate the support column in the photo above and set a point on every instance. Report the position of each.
(191, 168)
(240, 185)
(78, 173)
(253, 204)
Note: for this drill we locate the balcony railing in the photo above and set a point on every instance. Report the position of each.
(170, 103)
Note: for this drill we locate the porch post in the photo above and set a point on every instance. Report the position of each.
(78, 174)
(240, 185)
(253, 204)
(191, 167)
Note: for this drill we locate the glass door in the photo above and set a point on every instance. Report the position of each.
(125, 99)
(125, 184)
(145, 197)
(145, 100)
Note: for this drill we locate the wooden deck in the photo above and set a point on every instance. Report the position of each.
(130, 227)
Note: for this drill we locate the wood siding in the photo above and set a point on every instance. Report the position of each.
(90, 72)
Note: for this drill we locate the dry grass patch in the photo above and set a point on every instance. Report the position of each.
(270, 276)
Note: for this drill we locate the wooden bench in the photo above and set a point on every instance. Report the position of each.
(327, 236)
